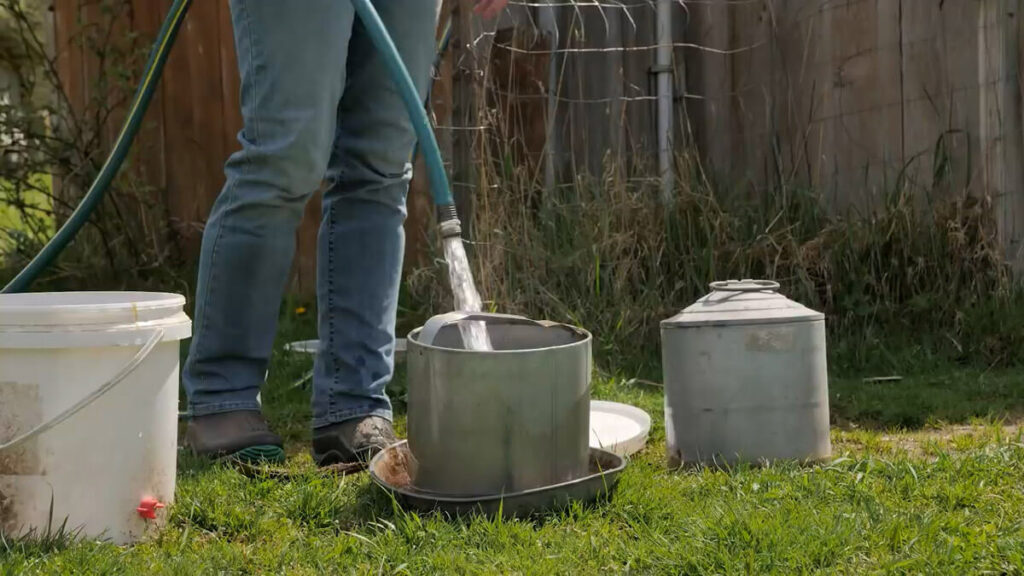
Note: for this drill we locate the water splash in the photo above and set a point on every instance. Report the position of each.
(467, 299)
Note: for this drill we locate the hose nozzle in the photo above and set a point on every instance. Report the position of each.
(448, 221)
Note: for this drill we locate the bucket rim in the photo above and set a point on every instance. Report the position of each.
(84, 308)
(412, 339)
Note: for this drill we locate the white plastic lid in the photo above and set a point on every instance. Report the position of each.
(303, 347)
(742, 302)
(312, 347)
(618, 428)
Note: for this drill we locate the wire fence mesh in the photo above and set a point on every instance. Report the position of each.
(569, 87)
(844, 97)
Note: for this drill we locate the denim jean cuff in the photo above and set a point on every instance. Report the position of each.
(206, 409)
(340, 416)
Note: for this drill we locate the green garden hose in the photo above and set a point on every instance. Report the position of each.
(439, 185)
(140, 103)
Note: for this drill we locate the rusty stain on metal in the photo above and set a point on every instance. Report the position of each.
(770, 340)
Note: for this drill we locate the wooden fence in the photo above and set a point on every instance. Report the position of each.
(851, 97)
(857, 98)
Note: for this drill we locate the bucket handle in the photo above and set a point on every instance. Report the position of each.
(745, 286)
(435, 324)
(96, 394)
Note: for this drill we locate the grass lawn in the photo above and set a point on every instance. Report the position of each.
(943, 495)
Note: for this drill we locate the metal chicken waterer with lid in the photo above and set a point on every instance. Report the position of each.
(745, 378)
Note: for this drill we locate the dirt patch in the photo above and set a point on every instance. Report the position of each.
(950, 438)
(928, 443)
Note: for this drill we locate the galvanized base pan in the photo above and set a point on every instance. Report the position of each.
(390, 470)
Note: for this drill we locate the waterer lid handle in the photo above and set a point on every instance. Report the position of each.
(745, 286)
(435, 324)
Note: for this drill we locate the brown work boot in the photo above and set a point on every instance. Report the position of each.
(242, 435)
(352, 442)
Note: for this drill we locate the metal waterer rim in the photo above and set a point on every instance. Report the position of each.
(417, 335)
(605, 468)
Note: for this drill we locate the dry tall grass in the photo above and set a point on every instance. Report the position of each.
(607, 255)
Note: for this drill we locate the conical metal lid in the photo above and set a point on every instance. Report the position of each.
(736, 302)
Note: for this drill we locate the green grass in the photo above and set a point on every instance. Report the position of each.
(931, 498)
(38, 206)
(942, 396)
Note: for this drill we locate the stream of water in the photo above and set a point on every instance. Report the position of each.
(467, 299)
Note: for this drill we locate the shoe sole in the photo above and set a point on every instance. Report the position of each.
(265, 454)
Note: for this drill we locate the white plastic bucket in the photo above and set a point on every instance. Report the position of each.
(88, 411)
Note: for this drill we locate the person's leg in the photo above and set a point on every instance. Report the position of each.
(291, 56)
(361, 237)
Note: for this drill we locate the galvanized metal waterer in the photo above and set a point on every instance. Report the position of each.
(502, 421)
(501, 430)
(746, 378)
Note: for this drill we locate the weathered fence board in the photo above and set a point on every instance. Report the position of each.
(863, 98)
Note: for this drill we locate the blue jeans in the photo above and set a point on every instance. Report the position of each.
(318, 106)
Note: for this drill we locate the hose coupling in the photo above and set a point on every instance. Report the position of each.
(448, 221)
